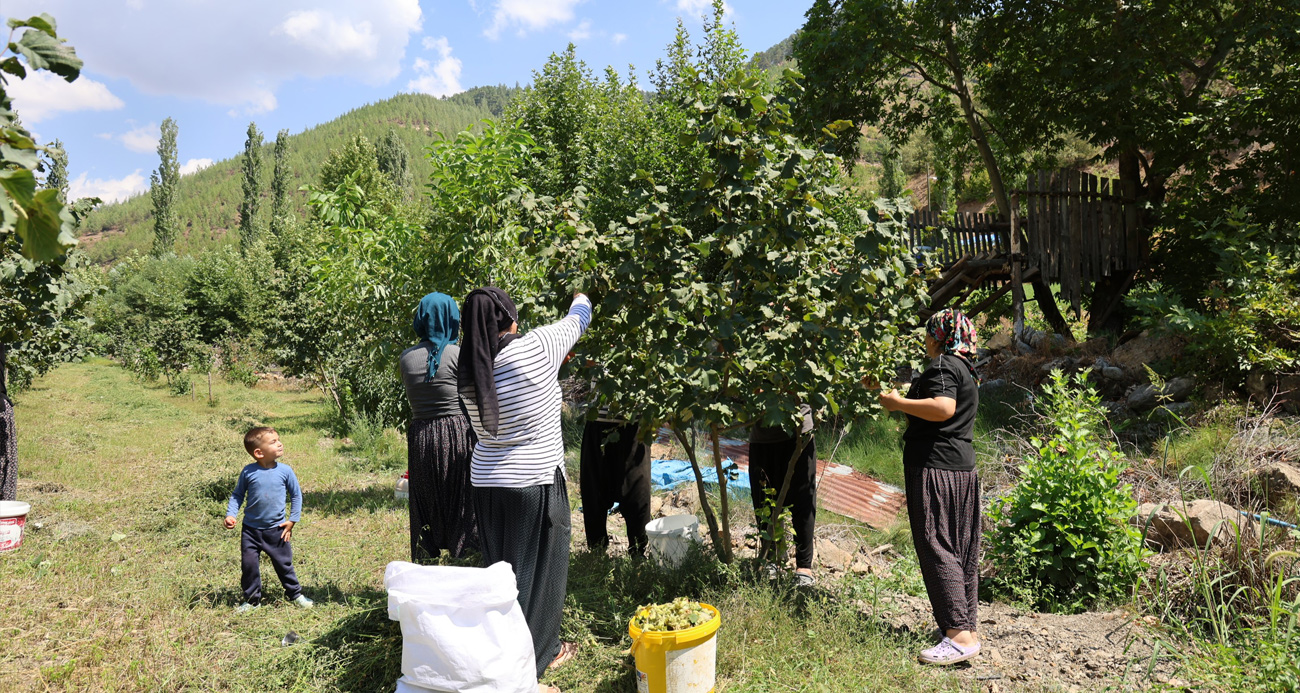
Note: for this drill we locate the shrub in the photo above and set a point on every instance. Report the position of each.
(977, 188)
(1061, 536)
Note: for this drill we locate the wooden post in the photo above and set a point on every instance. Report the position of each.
(1017, 287)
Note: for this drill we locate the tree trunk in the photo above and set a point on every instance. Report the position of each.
(8, 446)
(977, 132)
(1106, 309)
(1052, 314)
(724, 553)
(723, 505)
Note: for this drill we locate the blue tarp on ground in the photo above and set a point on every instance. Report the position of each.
(665, 474)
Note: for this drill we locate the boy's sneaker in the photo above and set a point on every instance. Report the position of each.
(304, 602)
(245, 608)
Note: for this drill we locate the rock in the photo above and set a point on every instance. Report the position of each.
(1064, 364)
(1146, 349)
(1000, 340)
(1100, 364)
(1024, 349)
(1033, 337)
(1184, 524)
(992, 385)
(1147, 397)
(1279, 481)
(656, 504)
(1112, 373)
(833, 556)
(687, 498)
(1261, 383)
(1179, 389)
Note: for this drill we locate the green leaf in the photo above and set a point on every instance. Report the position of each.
(44, 51)
(47, 229)
(42, 22)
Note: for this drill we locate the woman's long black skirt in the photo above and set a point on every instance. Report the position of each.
(442, 502)
(529, 528)
(943, 507)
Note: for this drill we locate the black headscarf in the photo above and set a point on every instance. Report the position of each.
(487, 313)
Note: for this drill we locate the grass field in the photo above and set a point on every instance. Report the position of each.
(126, 580)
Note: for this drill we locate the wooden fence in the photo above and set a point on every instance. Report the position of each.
(968, 233)
(1079, 228)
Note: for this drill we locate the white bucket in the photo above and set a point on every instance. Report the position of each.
(13, 517)
(671, 538)
(403, 489)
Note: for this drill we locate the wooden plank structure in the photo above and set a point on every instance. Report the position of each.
(1071, 229)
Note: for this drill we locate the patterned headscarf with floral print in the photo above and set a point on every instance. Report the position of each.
(953, 331)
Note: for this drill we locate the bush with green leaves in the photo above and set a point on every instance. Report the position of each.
(1232, 290)
(756, 286)
(1061, 537)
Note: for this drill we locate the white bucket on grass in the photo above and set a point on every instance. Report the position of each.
(13, 517)
(671, 538)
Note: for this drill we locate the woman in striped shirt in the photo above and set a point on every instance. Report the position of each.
(510, 386)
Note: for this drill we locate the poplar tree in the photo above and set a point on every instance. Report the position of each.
(57, 178)
(280, 185)
(249, 230)
(163, 190)
(394, 161)
(892, 181)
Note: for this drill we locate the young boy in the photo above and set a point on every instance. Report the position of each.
(261, 490)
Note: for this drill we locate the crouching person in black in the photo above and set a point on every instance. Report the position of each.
(770, 450)
(614, 468)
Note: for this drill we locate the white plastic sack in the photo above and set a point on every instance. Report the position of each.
(462, 629)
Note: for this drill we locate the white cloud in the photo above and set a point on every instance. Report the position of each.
(618, 38)
(582, 31)
(104, 135)
(44, 94)
(109, 190)
(328, 34)
(236, 53)
(529, 15)
(142, 139)
(698, 8)
(194, 166)
(441, 78)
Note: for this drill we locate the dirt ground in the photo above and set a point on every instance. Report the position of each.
(1023, 650)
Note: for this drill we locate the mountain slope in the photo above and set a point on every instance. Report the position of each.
(207, 202)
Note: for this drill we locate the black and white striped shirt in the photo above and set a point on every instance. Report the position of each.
(529, 444)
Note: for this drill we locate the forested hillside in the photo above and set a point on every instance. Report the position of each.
(207, 202)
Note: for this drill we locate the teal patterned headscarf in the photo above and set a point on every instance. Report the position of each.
(437, 320)
(953, 331)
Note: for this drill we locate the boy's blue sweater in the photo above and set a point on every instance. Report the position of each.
(265, 490)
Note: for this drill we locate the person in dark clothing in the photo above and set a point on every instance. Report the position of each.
(770, 450)
(614, 468)
(943, 489)
(439, 441)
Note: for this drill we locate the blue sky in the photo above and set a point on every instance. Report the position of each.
(214, 65)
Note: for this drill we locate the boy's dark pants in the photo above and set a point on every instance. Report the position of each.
(251, 543)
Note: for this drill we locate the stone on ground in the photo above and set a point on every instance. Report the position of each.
(1175, 525)
(1279, 481)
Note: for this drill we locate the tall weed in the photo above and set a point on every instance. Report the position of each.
(1061, 538)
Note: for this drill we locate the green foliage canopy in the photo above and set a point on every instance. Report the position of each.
(786, 294)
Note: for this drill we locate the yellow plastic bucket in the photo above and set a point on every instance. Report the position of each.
(680, 661)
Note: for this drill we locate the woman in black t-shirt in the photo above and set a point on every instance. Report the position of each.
(943, 489)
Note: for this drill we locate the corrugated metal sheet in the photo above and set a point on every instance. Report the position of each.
(840, 489)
